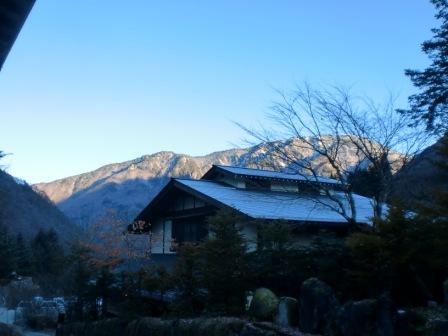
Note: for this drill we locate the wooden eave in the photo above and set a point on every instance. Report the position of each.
(13, 14)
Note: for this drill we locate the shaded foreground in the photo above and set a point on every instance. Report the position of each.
(221, 326)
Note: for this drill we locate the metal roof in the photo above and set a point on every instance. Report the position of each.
(269, 174)
(280, 205)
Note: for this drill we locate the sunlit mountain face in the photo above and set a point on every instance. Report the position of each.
(126, 188)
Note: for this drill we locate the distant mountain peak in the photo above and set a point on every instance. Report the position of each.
(128, 186)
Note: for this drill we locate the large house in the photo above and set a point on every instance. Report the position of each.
(179, 211)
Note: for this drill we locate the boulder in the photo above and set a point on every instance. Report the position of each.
(367, 317)
(287, 314)
(318, 307)
(387, 316)
(358, 318)
(264, 304)
(9, 330)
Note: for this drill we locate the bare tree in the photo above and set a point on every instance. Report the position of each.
(112, 245)
(343, 133)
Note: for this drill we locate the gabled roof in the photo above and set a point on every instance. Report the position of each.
(265, 174)
(267, 204)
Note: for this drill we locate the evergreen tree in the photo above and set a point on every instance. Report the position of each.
(23, 256)
(406, 255)
(224, 263)
(7, 256)
(103, 288)
(78, 276)
(187, 280)
(48, 258)
(270, 264)
(430, 105)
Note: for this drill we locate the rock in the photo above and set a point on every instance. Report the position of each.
(387, 316)
(287, 314)
(249, 296)
(367, 317)
(431, 303)
(9, 330)
(264, 304)
(358, 318)
(318, 307)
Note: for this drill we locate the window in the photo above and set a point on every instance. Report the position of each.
(185, 203)
(192, 229)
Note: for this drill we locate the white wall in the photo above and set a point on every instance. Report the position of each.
(249, 231)
(284, 186)
(233, 182)
(161, 237)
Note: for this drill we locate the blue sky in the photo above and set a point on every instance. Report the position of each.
(94, 82)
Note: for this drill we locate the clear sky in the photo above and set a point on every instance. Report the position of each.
(94, 82)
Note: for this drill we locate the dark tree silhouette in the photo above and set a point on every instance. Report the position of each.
(224, 263)
(23, 256)
(7, 258)
(430, 105)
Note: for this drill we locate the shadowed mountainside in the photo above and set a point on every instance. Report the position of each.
(417, 182)
(23, 210)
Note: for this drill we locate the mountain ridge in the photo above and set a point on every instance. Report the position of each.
(126, 187)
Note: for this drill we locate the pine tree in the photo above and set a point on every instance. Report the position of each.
(406, 254)
(7, 257)
(78, 276)
(103, 288)
(186, 279)
(23, 256)
(48, 258)
(224, 263)
(430, 105)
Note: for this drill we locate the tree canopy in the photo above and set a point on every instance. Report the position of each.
(430, 105)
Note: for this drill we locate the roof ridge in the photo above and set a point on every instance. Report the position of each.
(248, 168)
(188, 179)
(307, 177)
